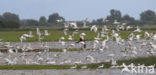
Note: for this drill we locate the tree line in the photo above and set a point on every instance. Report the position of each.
(147, 17)
(11, 20)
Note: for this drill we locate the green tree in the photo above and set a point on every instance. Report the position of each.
(11, 24)
(53, 17)
(42, 20)
(2, 25)
(127, 18)
(29, 22)
(1, 18)
(10, 17)
(32, 22)
(114, 15)
(148, 15)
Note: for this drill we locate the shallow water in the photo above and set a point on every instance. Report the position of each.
(73, 56)
(70, 72)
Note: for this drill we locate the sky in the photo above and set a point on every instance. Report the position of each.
(73, 10)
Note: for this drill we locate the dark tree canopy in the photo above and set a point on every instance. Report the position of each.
(30, 22)
(148, 15)
(127, 18)
(10, 17)
(114, 15)
(9, 24)
(9, 20)
(42, 20)
(53, 17)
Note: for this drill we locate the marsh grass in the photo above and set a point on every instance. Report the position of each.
(37, 67)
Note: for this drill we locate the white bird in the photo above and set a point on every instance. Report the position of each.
(104, 28)
(70, 37)
(124, 24)
(38, 31)
(29, 47)
(78, 62)
(94, 28)
(113, 62)
(64, 50)
(51, 62)
(62, 38)
(66, 25)
(61, 41)
(65, 31)
(101, 66)
(73, 25)
(104, 44)
(116, 22)
(105, 20)
(90, 58)
(67, 61)
(128, 27)
(98, 37)
(131, 36)
(84, 67)
(122, 27)
(133, 51)
(152, 45)
(59, 20)
(146, 34)
(11, 62)
(73, 67)
(138, 29)
(22, 38)
(154, 37)
(10, 50)
(46, 33)
(85, 22)
(138, 37)
(30, 34)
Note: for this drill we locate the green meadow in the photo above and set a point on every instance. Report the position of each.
(13, 35)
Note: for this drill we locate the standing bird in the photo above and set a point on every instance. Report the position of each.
(70, 38)
(30, 34)
(85, 23)
(82, 40)
(46, 33)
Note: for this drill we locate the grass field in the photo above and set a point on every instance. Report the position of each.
(141, 60)
(13, 36)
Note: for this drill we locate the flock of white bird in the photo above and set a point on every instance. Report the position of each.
(100, 44)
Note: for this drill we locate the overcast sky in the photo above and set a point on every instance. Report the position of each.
(75, 9)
